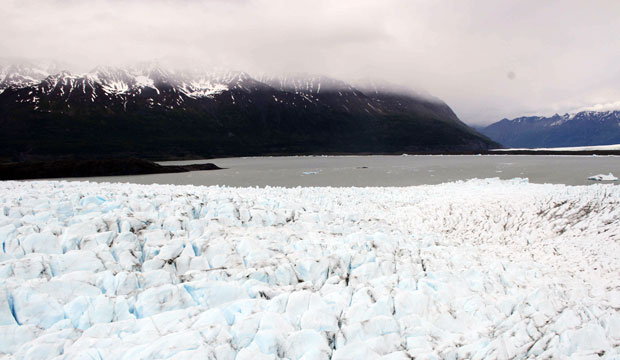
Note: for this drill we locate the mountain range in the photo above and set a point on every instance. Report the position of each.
(150, 111)
(585, 128)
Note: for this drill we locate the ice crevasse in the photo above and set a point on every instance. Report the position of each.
(483, 269)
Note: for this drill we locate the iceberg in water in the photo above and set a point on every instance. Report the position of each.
(603, 177)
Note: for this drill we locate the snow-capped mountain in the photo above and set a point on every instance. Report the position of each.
(215, 113)
(20, 74)
(586, 128)
(305, 83)
(110, 85)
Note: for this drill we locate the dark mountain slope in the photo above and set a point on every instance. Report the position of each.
(150, 112)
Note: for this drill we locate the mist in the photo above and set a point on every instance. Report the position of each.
(487, 59)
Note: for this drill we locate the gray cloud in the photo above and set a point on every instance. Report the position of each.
(488, 59)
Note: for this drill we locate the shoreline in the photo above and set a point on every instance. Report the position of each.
(190, 157)
(417, 153)
(90, 168)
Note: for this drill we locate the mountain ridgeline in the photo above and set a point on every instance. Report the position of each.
(586, 128)
(148, 111)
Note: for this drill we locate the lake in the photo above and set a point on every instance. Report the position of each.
(291, 171)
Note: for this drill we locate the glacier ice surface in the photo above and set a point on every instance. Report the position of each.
(467, 270)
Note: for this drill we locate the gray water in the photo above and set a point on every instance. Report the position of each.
(382, 170)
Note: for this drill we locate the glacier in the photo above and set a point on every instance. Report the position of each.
(482, 269)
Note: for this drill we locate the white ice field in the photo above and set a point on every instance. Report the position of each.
(484, 269)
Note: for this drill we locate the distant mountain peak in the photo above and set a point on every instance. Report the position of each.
(584, 128)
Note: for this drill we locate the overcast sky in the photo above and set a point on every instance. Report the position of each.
(487, 59)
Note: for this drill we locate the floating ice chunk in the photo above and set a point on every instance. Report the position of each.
(603, 177)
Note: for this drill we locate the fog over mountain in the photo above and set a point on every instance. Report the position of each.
(487, 59)
(193, 113)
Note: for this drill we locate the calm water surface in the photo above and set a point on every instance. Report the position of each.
(382, 170)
